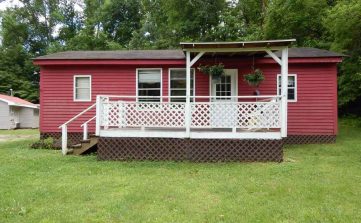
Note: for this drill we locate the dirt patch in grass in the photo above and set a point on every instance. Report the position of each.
(20, 134)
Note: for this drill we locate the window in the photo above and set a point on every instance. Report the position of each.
(149, 84)
(82, 88)
(292, 87)
(223, 87)
(178, 83)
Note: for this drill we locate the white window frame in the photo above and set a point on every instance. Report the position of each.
(296, 90)
(90, 88)
(169, 83)
(137, 78)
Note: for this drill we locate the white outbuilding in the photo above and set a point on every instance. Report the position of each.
(17, 113)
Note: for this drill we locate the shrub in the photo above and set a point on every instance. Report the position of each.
(47, 143)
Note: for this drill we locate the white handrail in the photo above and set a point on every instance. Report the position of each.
(64, 130)
(77, 116)
(132, 96)
(251, 96)
(85, 128)
(91, 119)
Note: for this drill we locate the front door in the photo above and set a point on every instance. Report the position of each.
(223, 111)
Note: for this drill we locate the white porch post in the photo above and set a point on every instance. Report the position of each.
(284, 91)
(85, 131)
(64, 139)
(97, 114)
(188, 94)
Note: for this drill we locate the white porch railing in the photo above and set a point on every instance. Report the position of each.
(125, 112)
(244, 112)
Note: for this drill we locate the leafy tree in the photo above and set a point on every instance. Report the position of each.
(344, 29)
(344, 26)
(120, 18)
(300, 19)
(164, 25)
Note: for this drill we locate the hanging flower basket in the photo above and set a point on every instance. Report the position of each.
(215, 71)
(255, 79)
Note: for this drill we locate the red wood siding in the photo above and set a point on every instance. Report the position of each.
(315, 111)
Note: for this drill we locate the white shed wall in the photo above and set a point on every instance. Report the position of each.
(36, 118)
(26, 117)
(14, 116)
(4, 115)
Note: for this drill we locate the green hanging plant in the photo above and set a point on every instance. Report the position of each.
(254, 79)
(215, 71)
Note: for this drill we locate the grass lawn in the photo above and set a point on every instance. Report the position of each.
(316, 183)
(19, 132)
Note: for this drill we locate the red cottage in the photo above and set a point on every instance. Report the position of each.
(157, 104)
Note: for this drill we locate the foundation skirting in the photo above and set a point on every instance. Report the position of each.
(195, 150)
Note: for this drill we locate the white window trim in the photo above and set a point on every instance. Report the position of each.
(136, 82)
(296, 90)
(194, 81)
(90, 88)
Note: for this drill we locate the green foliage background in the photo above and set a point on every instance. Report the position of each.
(38, 27)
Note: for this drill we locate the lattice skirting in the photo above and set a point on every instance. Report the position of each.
(310, 139)
(73, 137)
(196, 150)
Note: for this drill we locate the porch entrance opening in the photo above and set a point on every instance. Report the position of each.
(223, 113)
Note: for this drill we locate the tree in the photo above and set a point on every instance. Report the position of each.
(164, 25)
(344, 31)
(299, 19)
(120, 18)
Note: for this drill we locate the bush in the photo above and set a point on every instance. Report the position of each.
(47, 143)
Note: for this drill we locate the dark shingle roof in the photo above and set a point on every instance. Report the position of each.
(115, 55)
(165, 54)
(309, 52)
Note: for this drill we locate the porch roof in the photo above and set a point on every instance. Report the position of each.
(236, 45)
(309, 52)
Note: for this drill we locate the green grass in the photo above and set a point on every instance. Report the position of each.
(316, 183)
(19, 132)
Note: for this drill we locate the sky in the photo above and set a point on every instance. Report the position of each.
(8, 3)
